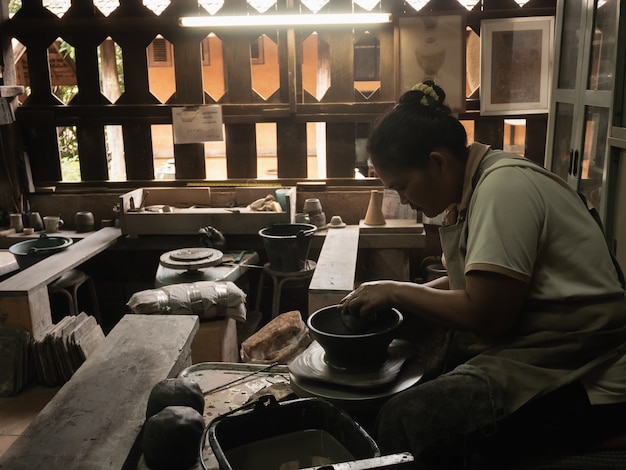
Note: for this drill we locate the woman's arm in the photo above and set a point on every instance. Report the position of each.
(489, 305)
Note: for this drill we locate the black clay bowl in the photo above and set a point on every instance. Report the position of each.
(346, 349)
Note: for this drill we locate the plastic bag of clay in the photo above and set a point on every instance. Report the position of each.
(281, 340)
(207, 299)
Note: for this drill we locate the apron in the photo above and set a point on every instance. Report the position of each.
(548, 348)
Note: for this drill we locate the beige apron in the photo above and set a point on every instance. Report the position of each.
(553, 343)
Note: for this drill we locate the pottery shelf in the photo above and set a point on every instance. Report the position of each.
(183, 211)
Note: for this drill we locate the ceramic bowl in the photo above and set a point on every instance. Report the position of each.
(346, 349)
(30, 252)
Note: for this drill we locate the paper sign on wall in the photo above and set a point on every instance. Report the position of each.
(193, 124)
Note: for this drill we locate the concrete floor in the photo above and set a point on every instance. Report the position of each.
(18, 411)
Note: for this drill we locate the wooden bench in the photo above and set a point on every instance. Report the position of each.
(336, 268)
(95, 419)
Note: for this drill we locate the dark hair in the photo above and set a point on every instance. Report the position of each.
(405, 135)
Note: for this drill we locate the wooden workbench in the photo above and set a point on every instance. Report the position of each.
(387, 247)
(24, 296)
(94, 420)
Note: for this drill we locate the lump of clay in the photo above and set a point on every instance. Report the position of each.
(171, 438)
(279, 341)
(175, 392)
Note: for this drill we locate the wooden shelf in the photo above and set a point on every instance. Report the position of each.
(9, 91)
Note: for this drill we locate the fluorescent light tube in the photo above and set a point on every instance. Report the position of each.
(283, 20)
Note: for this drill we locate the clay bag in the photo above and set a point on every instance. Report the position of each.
(171, 438)
(175, 392)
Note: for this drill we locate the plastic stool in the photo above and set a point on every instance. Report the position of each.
(68, 285)
(280, 278)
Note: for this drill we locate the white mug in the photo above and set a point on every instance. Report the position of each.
(52, 223)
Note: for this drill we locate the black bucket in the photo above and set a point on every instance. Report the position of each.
(287, 245)
(273, 433)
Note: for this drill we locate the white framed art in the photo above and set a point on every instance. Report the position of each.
(516, 65)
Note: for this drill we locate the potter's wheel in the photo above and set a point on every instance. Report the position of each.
(312, 365)
(309, 378)
(191, 259)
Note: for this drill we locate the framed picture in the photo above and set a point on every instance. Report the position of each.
(432, 47)
(516, 65)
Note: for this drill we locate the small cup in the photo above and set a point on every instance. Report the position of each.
(302, 218)
(29, 230)
(281, 197)
(312, 206)
(16, 222)
(52, 223)
(319, 220)
(84, 221)
(33, 220)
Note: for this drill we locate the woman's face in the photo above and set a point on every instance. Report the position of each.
(430, 190)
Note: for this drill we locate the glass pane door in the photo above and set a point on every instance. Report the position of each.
(563, 124)
(603, 44)
(571, 39)
(593, 154)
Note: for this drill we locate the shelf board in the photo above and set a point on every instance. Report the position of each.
(9, 91)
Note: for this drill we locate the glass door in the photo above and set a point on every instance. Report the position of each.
(597, 98)
(567, 79)
(580, 115)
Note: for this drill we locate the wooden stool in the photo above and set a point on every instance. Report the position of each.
(68, 285)
(280, 278)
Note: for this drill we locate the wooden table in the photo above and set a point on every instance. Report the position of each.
(24, 296)
(8, 264)
(94, 420)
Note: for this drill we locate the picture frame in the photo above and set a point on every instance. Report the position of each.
(516, 65)
(432, 46)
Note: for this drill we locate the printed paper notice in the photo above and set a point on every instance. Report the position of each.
(193, 124)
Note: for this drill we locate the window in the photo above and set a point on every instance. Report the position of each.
(160, 53)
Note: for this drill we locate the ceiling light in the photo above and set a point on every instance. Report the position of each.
(469, 4)
(283, 20)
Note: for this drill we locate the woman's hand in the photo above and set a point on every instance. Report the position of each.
(489, 305)
(369, 298)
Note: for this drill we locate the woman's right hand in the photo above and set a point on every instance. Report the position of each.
(368, 298)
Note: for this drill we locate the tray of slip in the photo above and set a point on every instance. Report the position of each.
(183, 211)
(227, 386)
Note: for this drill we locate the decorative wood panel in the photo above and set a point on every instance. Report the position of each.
(133, 26)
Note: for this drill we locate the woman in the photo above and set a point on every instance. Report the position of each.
(529, 277)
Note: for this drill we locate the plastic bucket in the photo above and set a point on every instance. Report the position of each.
(260, 438)
(287, 245)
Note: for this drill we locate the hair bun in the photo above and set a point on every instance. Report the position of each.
(428, 95)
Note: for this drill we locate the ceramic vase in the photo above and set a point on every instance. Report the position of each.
(374, 215)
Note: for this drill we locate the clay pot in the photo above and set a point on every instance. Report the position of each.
(84, 221)
(346, 349)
